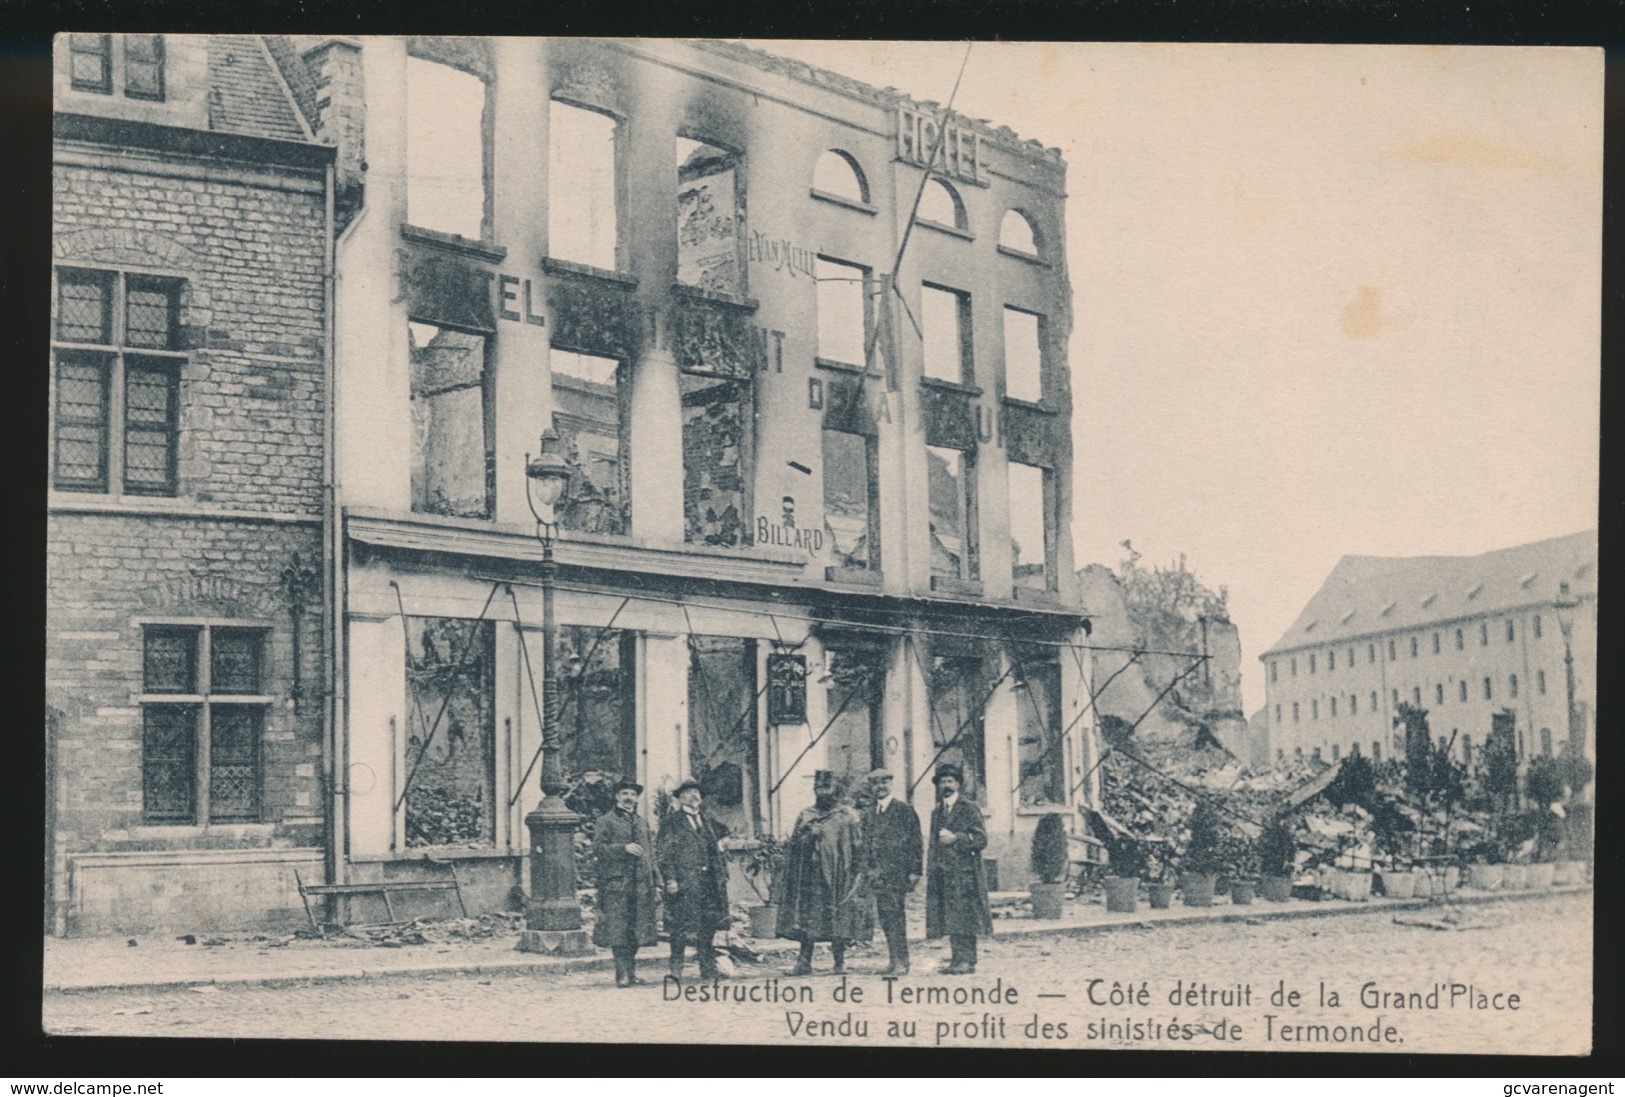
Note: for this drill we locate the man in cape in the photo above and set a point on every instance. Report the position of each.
(822, 894)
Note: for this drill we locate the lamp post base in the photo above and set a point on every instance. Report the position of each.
(570, 942)
(552, 906)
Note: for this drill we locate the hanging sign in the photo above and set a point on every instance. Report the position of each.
(786, 688)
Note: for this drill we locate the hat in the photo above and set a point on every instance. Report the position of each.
(685, 786)
(627, 782)
(824, 778)
(948, 769)
(877, 774)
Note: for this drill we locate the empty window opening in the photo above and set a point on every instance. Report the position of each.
(1031, 523)
(1023, 356)
(581, 212)
(452, 459)
(842, 312)
(445, 149)
(837, 174)
(952, 502)
(450, 732)
(945, 324)
(940, 205)
(589, 414)
(1016, 233)
(716, 415)
(710, 212)
(850, 516)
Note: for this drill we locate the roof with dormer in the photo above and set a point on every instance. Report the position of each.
(1372, 595)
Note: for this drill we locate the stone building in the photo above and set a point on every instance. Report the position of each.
(818, 518)
(185, 639)
(1464, 637)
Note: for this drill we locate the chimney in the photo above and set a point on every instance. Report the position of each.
(340, 119)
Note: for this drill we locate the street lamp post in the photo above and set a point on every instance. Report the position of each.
(1566, 605)
(552, 914)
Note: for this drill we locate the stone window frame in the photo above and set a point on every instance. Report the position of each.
(113, 358)
(471, 56)
(969, 578)
(1036, 255)
(864, 202)
(204, 700)
(967, 347)
(156, 62)
(960, 226)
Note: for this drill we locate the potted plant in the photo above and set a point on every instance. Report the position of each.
(761, 862)
(1049, 864)
(1125, 865)
(1204, 855)
(1159, 890)
(1486, 869)
(1276, 852)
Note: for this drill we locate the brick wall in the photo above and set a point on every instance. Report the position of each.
(249, 241)
(251, 316)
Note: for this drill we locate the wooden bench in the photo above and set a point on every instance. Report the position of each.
(384, 888)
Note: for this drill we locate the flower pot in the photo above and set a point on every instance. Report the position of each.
(1198, 889)
(1423, 886)
(1399, 885)
(1241, 891)
(1354, 886)
(1120, 892)
(1047, 899)
(1452, 879)
(1160, 896)
(764, 920)
(1486, 877)
(1515, 878)
(1277, 889)
(1541, 874)
(1568, 873)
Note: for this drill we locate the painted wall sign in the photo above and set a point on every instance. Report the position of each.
(961, 155)
(782, 255)
(505, 291)
(786, 534)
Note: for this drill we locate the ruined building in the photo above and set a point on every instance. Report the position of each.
(820, 501)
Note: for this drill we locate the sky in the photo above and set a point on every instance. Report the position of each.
(1327, 300)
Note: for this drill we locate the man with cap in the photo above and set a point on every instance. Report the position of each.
(892, 838)
(688, 850)
(956, 884)
(820, 894)
(627, 881)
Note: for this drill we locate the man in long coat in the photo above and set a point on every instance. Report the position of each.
(688, 850)
(892, 840)
(820, 897)
(956, 884)
(627, 882)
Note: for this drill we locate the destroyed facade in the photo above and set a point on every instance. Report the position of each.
(820, 501)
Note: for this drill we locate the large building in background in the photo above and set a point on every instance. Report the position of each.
(1464, 637)
(185, 645)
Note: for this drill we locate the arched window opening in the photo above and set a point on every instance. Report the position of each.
(940, 205)
(837, 175)
(1016, 233)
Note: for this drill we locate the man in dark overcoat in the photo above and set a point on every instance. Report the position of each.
(820, 897)
(688, 850)
(892, 840)
(627, 882)
(956, 884)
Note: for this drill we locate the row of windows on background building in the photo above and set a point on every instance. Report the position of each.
(1415, 647)
(1449, 743)
(1462, 696)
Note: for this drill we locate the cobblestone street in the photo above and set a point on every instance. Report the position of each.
(1030, 992)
